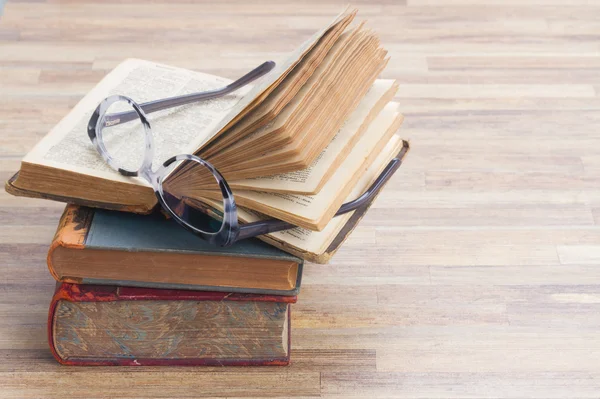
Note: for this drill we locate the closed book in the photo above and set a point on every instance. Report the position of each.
(94, 246)
(130, 326)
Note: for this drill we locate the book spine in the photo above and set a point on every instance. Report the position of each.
(66, 292)
(71, 232)
(82, 293)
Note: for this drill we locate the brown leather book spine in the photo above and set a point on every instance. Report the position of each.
(94, 293)
(71, 232)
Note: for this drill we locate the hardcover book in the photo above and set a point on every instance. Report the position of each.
(96, 246)
(310, 135)
(126, 326)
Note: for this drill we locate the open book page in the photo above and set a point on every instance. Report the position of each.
(269, 81)
(314, 211)
(316, 124)
(265, 138)
(310, 180)
(317, 242)
(282, 94)
(175, 131)
(179, 130)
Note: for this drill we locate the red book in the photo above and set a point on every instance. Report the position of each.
(126, 326)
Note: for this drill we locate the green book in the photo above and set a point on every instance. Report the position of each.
(94, 246)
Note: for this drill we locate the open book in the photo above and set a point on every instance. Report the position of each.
(311, 134)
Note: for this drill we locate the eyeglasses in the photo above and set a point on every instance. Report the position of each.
(119, 123)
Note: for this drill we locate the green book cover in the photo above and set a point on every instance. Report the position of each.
(172, 256)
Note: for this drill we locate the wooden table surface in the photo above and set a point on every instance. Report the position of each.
(475, 274)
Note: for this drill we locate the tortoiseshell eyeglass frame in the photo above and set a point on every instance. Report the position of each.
(230, 231)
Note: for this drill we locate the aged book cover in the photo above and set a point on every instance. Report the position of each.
(128, 326)
(95, 246)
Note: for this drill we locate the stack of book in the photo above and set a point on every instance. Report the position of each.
(140, 290)
(134, 286)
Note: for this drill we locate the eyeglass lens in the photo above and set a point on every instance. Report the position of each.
(124, 141)
(188, 181)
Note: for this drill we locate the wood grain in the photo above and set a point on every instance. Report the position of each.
(475, 274)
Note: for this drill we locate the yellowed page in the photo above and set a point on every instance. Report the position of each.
(317, 242)
(282, 68)
(290, 112)
(175, 131)
(280, 96)
(311, 211)
(308, 181)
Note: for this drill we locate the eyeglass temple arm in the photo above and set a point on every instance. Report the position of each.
(166, 103)
(273, 225)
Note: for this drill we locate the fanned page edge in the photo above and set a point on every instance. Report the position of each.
(313, 184)
(319, 212)
(272, 79)
(252, 122)
(331, 246)
(343, 233)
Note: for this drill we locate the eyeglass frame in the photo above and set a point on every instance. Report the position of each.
(230, 231)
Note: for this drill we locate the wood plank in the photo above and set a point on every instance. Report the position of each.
(181, 384)
(547, 385)
(475, 272)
